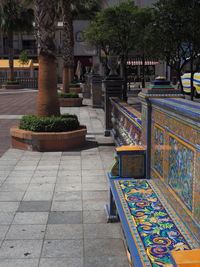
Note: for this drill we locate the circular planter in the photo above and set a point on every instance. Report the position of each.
(75, 90)
(48, 141)
(11, 86)
(70, 102)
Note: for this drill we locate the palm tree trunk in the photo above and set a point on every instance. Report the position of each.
(68, 45)
(47, 100)
(10, 56)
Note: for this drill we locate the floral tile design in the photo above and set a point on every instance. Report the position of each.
(181, 170)
(156, 225)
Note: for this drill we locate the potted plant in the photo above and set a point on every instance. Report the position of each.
(48, 133)
(11, 85)
(70, 100)
(75, 87)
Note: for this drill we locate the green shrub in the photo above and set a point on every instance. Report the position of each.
(64, 123)
(11, 83)
(74, 85)
(67, 95)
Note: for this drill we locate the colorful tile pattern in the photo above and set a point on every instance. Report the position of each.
(181, 170)
(126, 123)
(158, 144)
(155, 227)
(181, 164)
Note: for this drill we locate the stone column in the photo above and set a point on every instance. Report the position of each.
(112, 87)
(96, 87)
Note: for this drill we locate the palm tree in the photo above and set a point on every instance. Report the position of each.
(81, 9)
(45, 20)
(68, 44)
(14, 17)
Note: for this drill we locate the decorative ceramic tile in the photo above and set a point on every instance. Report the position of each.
(156, 228)
(157, 149)
(181, 170)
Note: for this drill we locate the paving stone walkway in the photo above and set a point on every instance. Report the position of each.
(52, 204)
(13, 104)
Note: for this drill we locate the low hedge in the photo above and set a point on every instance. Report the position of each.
(74, 85)
(10, 83)
(64, 123)
(68, 95)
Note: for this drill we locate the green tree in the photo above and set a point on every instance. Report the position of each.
(79, 9)
(14, 17)
(117, 27)
(176, 35)
(144, 46)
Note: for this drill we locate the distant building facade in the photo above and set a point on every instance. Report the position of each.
(27, 42)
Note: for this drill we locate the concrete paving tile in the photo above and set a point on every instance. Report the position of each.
(12, 187)
(38, 196)
(95, 187)
(64, 231)
(47, 168)
(62, 249)
(26, 231)
(94, 204)
(9, 206)
(70, 161)
(99, 216)
(3, 231)
(6, 217)
(31, 218)
(44, 179)
(101, 194)
(19, 263)
(71, 153)
(40, 187)
(63, 262)
(24, 168)
(68, 187)
(36, 206)
(93, 172)
(102, 230)
(104, 247)
(7, 168)
(45, 173)
(70, 167)
(74, 205)
(70, 173)
(20, 249)
(97, 179)
(31, 163)
(65, 217)
(11, 196)
(68, 179)
(92, 165)
(18, 180)
(106, 261)
(67, 195)
(21, 173)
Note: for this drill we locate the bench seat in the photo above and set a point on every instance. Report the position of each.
(151, 226)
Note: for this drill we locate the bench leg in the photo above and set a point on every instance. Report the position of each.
(111, 210)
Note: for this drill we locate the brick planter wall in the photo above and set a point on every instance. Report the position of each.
(75, 90)
(70, 102)
(11, 86)
(48, 141)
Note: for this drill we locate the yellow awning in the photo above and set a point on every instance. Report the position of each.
(4, 64)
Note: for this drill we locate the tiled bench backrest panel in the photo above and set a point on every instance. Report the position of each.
(126, 122)
(175, 152)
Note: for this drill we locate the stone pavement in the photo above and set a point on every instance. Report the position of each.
(52, 204)
(13, 104)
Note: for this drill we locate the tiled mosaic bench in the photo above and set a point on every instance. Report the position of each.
(153, 231)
